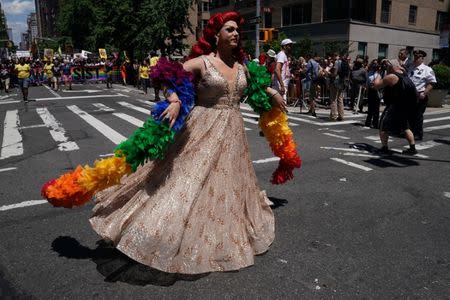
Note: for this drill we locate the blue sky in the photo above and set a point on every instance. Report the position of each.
(16, 12)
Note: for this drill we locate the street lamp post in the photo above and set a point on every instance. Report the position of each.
(258, 15)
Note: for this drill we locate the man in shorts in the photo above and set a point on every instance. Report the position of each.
(23, 74)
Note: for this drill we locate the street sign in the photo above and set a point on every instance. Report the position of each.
(254, 20)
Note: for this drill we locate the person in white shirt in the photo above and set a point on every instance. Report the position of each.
(282, 71)
(423, 78)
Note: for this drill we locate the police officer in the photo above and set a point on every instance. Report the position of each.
(423, 78)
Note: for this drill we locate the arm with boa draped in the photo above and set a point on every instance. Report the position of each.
(273, 123)
(151, 141)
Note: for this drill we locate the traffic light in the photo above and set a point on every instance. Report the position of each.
(267, 34)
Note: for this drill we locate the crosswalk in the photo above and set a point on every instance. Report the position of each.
(100, 115)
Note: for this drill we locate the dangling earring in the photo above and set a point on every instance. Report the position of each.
(217, 40)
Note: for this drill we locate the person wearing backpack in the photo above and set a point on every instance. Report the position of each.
(312, 75)
(338, 76)
(400, 98)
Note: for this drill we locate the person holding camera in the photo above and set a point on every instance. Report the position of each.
(400, 99)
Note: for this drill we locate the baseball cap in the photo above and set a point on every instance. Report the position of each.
(271, 53)
(286, 42)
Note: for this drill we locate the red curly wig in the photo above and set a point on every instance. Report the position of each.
(207, 43)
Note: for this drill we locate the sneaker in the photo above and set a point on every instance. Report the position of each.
(409, 151)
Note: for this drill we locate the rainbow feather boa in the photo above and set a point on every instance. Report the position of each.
(273, 123)
(148, 142)
(151, 141)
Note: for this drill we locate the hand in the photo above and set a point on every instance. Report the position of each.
(278, 101)
(171, 113)
(282, 91)
(422, 96)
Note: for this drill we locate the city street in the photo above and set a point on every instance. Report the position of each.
(352, 224)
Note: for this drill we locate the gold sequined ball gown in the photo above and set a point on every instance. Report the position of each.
(199, 209)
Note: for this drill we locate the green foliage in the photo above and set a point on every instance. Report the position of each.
(442, 73)
(331, 47)
(136, 26)
(303, 47)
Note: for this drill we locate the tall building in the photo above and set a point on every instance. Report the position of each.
(198, 17)
(46, 17)
(24, 45)
(3, 25)
(10, 34)
(376, 28)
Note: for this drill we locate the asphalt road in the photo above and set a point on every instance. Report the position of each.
(350, 225)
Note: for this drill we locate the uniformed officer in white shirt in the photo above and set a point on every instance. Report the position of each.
(423, 78)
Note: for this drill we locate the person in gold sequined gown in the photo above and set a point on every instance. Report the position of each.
(199, 209)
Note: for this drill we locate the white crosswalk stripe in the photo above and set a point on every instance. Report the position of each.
(12, 139)
(135, 111)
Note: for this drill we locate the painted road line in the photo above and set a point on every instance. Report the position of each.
(348, 163)
(266, 160)
(428, 129)
(436, 119)
(447, 194)
(250, 121)
(12, 139)
(51, 91)
(81, 97)
(57, 132)
(360, 155)
(7, 96)
(106, 155)
(146, 102)
(337, 130)
(345, 149)
(336, 136)
(340, 123)
(134, 107)
(9, 102)
(81, 91)
(437, 112)
(101, 127)
(22, 204)
(426, 145)
(102, 107)
(33, 126)
(247, 129)
(256, 116)
(399, 151)
(7, 169)
(129, 119)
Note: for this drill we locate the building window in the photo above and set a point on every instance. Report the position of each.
(204, 23)
(297, 14)
(219, 3)
(205, 6)
(267, 19)
(362, 49)
(383, 51)
(409, 51)
(441, 20)
(385, 11)
(335, 9)
(364, 10)
(412, 15)
(436, 55)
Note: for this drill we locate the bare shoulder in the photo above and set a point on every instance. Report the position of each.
(390, 79)
(194, 65)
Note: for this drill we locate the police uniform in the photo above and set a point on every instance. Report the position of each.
(421, 76)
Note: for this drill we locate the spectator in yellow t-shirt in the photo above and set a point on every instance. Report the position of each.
(144, 76)
(153, 61)
(48, 71)
(23, 73)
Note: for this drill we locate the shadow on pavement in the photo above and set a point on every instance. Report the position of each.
(116, 266)
(277, 202)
